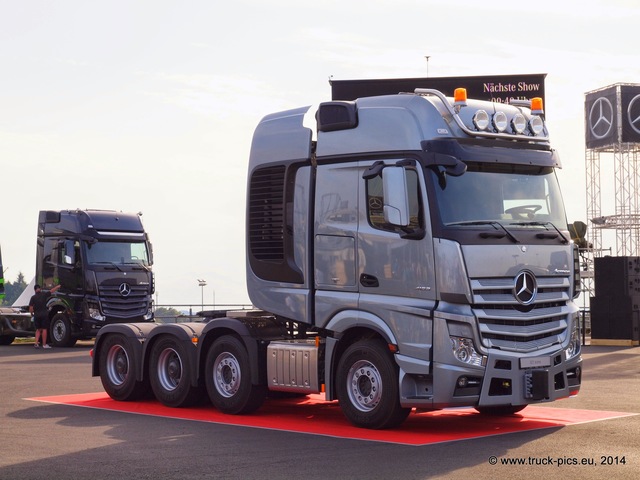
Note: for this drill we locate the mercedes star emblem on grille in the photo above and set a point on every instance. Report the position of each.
(526, 287)
(124, 289)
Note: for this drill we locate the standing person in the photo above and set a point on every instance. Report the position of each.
(40, 314)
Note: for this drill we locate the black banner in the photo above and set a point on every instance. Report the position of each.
(497, 88)
(601, 118)
(630, 97)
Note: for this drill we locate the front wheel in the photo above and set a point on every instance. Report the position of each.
(170, 376)
(118, 369)
(6, 339)
(60, 331)
(367, 386)
(228, 378)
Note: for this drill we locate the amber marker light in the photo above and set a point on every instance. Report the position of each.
(536, 106)
(460, 97)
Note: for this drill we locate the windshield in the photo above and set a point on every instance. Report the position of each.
(513, 195)
(117, 253)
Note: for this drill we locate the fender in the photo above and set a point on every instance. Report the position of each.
(348, 319)
(136, 333)
(58, 303)
(341, 323)
(182, 333)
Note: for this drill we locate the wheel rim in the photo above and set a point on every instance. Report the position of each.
(226, 375)
(169, 369)
(364, 385)
(117, 365)
(59, 330)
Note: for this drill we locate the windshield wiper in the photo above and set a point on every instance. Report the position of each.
(487, 234)
(545, 235)
(110, 263)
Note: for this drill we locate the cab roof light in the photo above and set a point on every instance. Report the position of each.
(536, 106)
(536, 125)
(459, 98)
(500, 121)
(481, 120)
(518, 123)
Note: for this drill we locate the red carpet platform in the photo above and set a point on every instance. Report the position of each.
(314, 415)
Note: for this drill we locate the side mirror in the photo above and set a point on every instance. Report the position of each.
(69, 253)
(396, 196)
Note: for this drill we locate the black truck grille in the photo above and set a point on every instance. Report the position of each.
(135, 304)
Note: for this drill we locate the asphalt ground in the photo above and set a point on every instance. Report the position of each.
(48, 441)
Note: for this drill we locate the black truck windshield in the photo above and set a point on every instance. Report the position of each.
(513, 195)
(119, 252)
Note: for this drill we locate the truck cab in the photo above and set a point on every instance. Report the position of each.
(102, 260)
(433, 224)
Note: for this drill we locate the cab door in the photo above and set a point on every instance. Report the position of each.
(396, 277)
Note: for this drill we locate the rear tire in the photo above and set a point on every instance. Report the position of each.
(228, 378)
(118, 369)
(60, 333)
(169, 374)
(6, 339)
(367, 386)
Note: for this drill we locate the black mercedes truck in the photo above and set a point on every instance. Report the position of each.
(102, 260)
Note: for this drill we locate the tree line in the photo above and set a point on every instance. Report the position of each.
(13, 290)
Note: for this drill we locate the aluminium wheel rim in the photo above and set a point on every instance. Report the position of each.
(59, 331)
(364, 385)
(227, 375)
(169, 369)
(117, 365)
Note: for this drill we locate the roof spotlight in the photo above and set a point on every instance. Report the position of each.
(518, 123)
(536, 125)
(500, 121)
(481, 120)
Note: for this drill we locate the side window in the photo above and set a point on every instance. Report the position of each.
(49, 262)
(375, 203)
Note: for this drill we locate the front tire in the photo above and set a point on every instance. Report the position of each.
(60, 333)
(6, 339)
(170, 376)
(228, 378)
(118, 370)
(367, 386)
(502, 410)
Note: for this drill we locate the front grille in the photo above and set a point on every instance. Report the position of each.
(133, 305)
(506, 324)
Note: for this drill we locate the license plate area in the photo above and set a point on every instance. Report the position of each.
(536, 384)
(535, 362)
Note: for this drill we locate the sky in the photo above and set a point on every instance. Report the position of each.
(150, 105)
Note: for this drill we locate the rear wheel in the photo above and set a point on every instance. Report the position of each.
(169, 374)
(6, 339)
(117, 369)
(228, 378)
(60, 333)
(367, 386)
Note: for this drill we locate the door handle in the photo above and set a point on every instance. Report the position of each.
(367, 280)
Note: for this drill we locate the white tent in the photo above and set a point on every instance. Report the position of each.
(25, 296)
